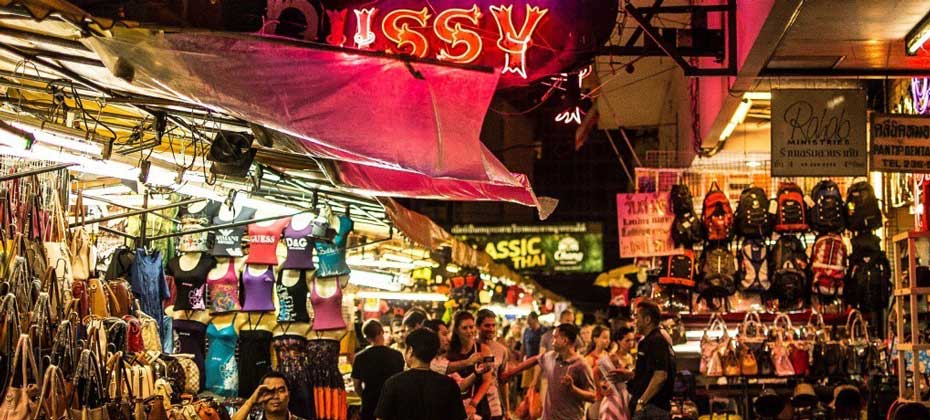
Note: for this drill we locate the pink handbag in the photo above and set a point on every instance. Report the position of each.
(711, 363)
(19, 402)
(780, 354)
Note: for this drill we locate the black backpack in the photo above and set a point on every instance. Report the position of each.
(864, 212)
(752, 214)
(868, 279)
(719, 270)
(828, 215)
(686, 230)
(681, 199)
(788, 270)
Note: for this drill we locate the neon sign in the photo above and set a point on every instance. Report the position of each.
(456, 28)
(527, 40)
(920, 94)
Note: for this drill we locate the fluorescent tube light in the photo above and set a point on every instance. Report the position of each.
(422, 297)
(918, 36)
(741, 111)
(758, 96)
(373, 279)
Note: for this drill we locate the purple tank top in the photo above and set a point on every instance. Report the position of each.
(327, 310)
(299, 248)
(258, 290)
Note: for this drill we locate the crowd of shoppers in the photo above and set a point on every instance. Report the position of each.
(475, 370)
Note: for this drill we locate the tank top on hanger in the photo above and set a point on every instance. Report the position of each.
(228, 242)
(263, 241)
(191, 284)
(224, 291)
(332, 255)
(190, 338)
(292, 300)
(327, 310)
(220, 365)
(196, 242)
(255, 357)
(258, 290)
(299, 247)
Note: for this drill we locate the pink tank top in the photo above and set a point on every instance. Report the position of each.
(327, 310)
(224, 291)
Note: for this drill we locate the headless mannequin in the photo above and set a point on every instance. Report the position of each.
(198, 206)
(302, 329)
(200, 316)
(301, 221)
(281, 250)
(225, 320)
(290, 277)
(264, 321)
(222, 267)
(326, 287)
(189, 261)
(228, 213)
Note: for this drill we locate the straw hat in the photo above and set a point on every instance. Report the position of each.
(804, 396)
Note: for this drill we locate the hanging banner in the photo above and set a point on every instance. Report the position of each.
(644, 222)
(900, 143)
(554, 248)
(819, 132)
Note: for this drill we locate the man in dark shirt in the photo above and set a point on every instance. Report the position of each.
(419, 393)
(374, 365)
(653, 381)
(532, 334)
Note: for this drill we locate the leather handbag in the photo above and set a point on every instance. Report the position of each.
(52, 404)
(57, 253)
(98, 297)
(18, 400)
(90, 392)
(120, 298)
(764, 360)
(151, 338)
(729, 359)
(83, 254)
(191, 373)
(152, 408)
(80, 296)
(780, 358)
(710, 357)
(120, 403)
(134, 342)
(747, 361)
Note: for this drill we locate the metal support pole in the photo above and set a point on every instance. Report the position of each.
(38, 171)
(138, 212)
(144, 217)
(113, 203)
(225, 226)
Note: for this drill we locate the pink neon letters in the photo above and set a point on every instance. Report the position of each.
(407, 32)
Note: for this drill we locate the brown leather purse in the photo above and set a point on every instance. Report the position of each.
(731, 364)
(747, 362)
(17, 401)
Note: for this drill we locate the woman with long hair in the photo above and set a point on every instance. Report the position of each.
(478, 378)
(610, 398)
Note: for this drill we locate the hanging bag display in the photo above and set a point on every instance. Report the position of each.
(828, 214)
(719, 271)
(57, 253)
(89, 390)
(729, 359)
(679, 270)
(717, 215)
(864, 211)
(828, 265)
(752, 214)
(83, 253)
(53, 402)
(780, 347)
(791, 215)
(18, 400)
(751, 337)
(754, 267)
(710, 356)
(788, 266)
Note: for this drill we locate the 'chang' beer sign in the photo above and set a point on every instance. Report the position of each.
(900, 143)
(556, 248)
(526, 39)
(819, 132)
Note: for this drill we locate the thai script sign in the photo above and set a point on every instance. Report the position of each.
(819, 132)
(563, 248)
(900, 143)
(644, 222)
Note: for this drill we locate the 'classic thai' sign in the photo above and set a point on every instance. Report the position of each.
(563, 248)
(818, 132)
(644, 222)
(527, 39)
(900, 143)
